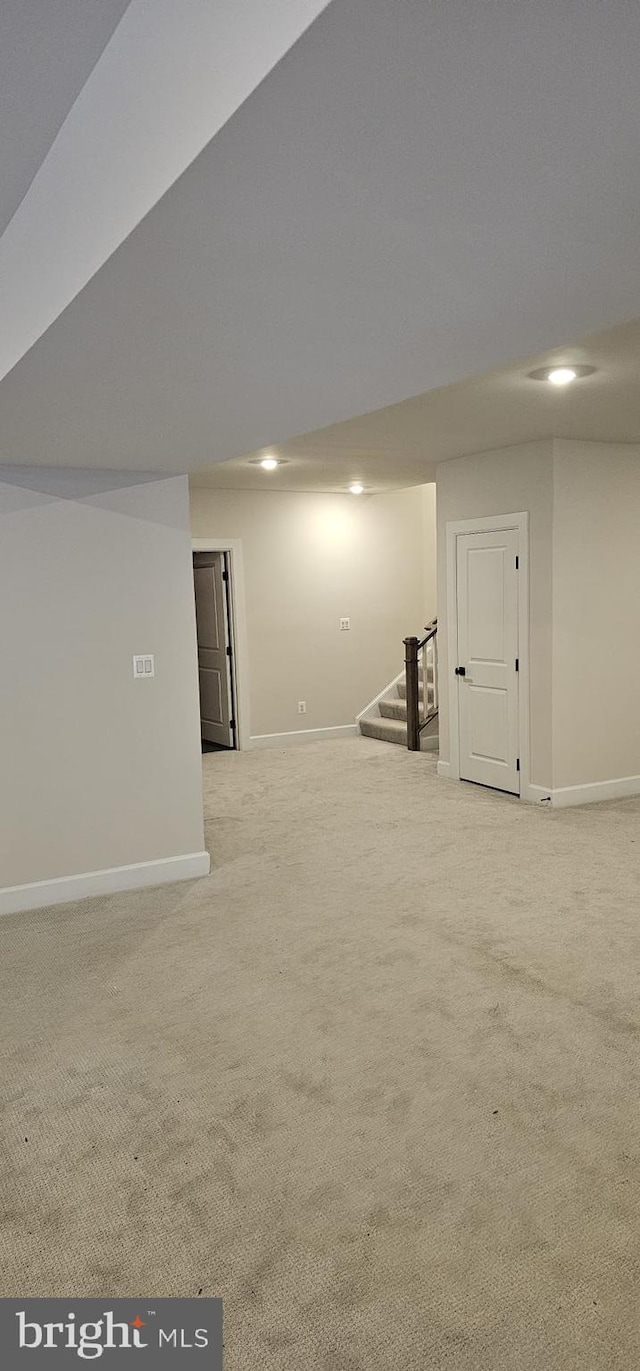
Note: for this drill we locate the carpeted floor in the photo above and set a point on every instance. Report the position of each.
(375, 1081)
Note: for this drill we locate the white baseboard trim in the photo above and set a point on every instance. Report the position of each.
(14, 899)
(622, 787)
(303, 735)
(537, 795)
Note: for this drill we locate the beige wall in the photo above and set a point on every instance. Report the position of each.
(596, 593)
(430, 552)
(507, 481)
(98, 770)
(310, 560)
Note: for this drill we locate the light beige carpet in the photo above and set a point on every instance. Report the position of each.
(375, 1081)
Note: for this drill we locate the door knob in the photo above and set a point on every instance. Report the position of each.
(461, 671)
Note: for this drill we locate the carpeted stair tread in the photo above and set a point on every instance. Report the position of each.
(401, 688)
(393, 709)
(387, 730)
(402, 691)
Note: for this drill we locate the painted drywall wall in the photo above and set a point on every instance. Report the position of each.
(98, 770)
(310, 560)
(429, 552)
(508, 481)
(596, 585)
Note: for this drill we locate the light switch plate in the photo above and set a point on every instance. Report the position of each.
(345, 625)
(144, 666)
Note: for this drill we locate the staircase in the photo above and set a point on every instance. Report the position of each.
(386, 719)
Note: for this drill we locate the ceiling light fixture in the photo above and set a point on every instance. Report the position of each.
(562, 375)
(356, 489)
(269, 463)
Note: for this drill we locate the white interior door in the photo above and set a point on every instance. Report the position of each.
(487, 671)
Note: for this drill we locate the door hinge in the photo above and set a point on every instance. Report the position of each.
(517, 763)
(225, 575)
(228, 652)
(232, 723)
(517, 663)
(517, 562)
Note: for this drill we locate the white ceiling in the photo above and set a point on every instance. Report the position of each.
(402, 444)
(172, 74)
(416, 194)
(47, 50)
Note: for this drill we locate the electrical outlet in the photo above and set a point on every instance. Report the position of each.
(345, 625)
(302, 706)
(144, 666)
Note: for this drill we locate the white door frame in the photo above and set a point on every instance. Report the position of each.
(498, 523)
(239, 636)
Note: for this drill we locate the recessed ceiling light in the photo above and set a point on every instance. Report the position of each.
(269, 463)
(356, 489)
(561, 376)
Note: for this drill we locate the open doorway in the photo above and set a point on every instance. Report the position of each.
(236, 634)
(214, 628)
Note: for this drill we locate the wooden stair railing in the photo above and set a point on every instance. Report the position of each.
(421, 653)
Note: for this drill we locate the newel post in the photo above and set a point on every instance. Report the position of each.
(411, 678)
